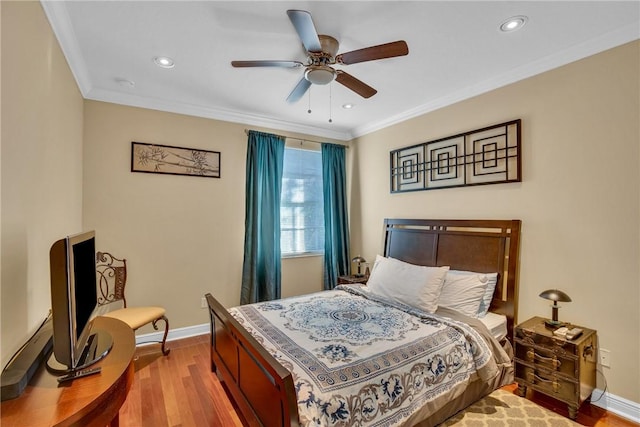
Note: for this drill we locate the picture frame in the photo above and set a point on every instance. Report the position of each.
(167, 159)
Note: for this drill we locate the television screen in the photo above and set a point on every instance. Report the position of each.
(84, 277)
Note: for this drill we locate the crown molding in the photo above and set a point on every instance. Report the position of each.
(60, 22)
(591, 47)
(213, 113)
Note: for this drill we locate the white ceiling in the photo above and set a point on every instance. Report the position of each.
(455, 51)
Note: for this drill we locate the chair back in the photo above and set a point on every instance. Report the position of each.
(111, 277)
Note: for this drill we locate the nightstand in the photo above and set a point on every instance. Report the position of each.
(352, 279)
(560, 368)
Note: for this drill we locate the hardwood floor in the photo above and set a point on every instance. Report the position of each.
(180, 390)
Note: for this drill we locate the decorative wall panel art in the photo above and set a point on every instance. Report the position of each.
(485, 156)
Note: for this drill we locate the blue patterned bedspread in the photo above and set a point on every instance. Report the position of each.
(358, 360)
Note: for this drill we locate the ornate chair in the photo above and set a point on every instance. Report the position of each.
(112, 278)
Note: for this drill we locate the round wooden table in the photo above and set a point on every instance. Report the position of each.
(93, 400)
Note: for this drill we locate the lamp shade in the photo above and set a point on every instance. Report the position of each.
(555, 295)
(358, 259)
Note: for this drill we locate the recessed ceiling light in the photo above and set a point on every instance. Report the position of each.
(514, 23)
(164, 61)
(347, 106)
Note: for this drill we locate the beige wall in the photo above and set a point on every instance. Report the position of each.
(578, 199)
(182, 236)
(41, 166)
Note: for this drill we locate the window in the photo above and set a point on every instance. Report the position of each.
(301, 204)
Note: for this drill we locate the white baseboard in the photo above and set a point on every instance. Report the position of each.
(174, 334)
(612, 403)
(617, 405)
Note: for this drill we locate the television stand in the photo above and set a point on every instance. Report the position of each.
(94, 400)
(98, 345)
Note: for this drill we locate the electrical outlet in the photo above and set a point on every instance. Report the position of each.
(605, 358)
(203, 303)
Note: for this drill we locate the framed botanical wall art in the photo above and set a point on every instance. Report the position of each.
(489, 155)
(156, 158)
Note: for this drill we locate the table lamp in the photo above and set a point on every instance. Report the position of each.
(554, 295)
(359, 260)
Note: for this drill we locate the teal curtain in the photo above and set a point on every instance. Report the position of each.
(261, 273)
(336, 222)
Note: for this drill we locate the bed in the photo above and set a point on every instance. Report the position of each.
(269, 376)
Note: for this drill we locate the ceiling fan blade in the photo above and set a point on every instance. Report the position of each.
(387, 50)
(281, 64)
(359, 87)
(303, 24)
(298, 91)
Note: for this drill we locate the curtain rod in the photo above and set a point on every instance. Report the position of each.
(246, 131)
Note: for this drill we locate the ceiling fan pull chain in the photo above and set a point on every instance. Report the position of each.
(309, 110)
(330, 102)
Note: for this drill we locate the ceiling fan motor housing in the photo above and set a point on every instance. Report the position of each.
(329, 45)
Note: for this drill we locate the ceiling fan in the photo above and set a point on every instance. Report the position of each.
(321, 51)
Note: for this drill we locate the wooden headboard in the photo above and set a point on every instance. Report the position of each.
(484, 246)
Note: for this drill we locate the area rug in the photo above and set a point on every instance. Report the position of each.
(503, 408)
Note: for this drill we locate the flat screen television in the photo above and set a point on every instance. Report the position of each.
(74, 304)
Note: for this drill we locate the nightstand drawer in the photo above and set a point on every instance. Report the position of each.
(554, 358)
(548, 382)
(559, 346)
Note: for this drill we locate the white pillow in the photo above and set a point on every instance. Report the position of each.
(492, 280)
(463, 292)
(413, 285)
(376, 262)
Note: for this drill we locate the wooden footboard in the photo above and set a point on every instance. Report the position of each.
(260, 386)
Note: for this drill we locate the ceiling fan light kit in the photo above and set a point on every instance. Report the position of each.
(320, 74)
(322, 53)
